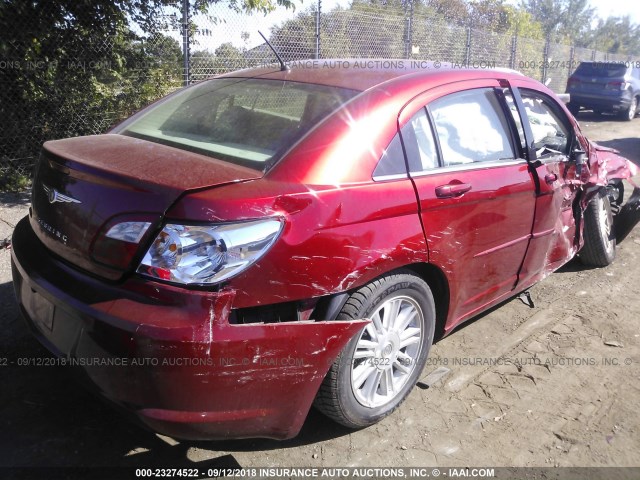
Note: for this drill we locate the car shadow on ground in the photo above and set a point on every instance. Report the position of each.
(589, 116)
(628, 147)
(15, 198)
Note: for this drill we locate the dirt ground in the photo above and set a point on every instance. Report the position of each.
(572, 400)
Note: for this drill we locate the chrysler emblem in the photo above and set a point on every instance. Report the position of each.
(56, 196)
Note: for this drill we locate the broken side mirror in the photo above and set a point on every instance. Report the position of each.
(578, 156)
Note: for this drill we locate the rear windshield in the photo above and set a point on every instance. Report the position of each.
(245, 121)
(596, 69)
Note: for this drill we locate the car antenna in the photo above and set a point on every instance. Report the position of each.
(283, 66)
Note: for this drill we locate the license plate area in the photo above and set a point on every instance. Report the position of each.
(40, 310)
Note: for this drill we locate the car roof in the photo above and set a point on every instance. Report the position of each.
(606, 65)
(364, 73)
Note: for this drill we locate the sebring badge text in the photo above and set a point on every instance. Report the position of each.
(52, 231)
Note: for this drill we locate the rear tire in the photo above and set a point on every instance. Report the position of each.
(599, 248)
(573, 108)
(630, 113)
(380, 365)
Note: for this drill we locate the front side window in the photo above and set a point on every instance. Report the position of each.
(471, 127)
(550, 131)
(245, 121)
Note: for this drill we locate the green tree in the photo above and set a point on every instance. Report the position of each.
(489, 15)
(613, 35)
(370, 37)
(294, 39)
(521, 23)
(353, 32)
(151, 68)
(228, 57)
(74, 67)
(202, 64)
(561, 19)
(452, 11)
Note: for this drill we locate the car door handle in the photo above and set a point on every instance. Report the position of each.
(452, 190)
(550, 178)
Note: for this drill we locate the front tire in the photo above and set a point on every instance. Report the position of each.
(380, 365)
(599, 248)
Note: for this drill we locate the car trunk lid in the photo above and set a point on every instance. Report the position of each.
(85, 184)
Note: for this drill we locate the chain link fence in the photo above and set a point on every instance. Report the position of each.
(89, 83)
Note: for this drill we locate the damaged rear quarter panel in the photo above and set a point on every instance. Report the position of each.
(336, 237)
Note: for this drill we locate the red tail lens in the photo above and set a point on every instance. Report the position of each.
(119, 240)
(617, 86)
(572, 82)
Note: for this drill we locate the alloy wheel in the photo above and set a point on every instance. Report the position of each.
(387, 351)
(606, 226)
(632, 108)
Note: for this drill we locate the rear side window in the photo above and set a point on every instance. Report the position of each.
(471, 127)
(420, 147)
(392, 160)
(422, 152)
(548, 125)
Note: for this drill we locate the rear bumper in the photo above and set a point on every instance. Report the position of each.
(169, 355)
(613, 103)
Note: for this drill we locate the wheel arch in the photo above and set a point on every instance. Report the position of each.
(329, 307)
(439, 285)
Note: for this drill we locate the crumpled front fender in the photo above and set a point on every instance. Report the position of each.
(607, 164)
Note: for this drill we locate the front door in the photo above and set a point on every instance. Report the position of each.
(550, 136)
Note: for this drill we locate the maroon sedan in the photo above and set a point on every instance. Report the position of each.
(268, 240)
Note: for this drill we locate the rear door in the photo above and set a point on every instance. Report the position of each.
(475, 192)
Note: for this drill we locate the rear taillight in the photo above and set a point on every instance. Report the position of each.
(572, 82)
(208, 254)
(117, 243)
(618, 86)
(130, 232)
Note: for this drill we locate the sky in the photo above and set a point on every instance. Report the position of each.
(234, 24)
(617, 8)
